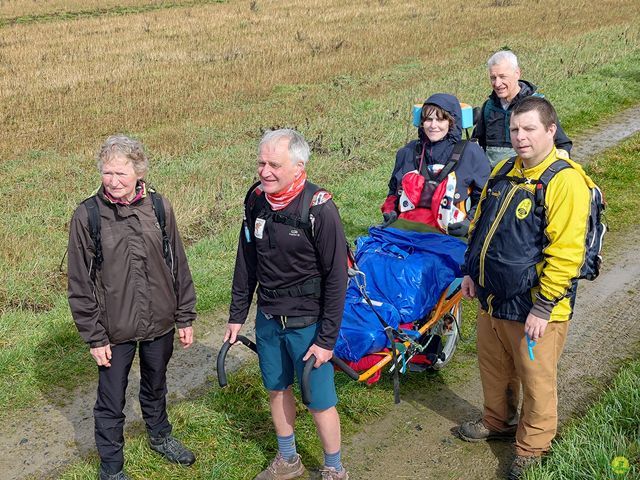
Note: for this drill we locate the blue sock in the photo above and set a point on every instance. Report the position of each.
(287, 447)
(333, 460)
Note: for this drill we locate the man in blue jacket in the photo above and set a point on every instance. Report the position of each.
(492, 129)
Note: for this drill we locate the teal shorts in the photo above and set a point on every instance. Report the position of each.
(280, 353)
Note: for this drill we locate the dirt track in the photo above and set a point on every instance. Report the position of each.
(414, 438)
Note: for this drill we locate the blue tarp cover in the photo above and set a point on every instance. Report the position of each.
(406, 273)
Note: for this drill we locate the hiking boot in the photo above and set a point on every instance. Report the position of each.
(112, 476)
(280, 469)
(520, 464)
(475, 431)
(173, 450)
(330, 473)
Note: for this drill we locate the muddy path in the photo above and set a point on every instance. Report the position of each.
(414, 439)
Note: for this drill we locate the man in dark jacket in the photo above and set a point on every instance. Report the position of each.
(128, 292)
(298, 262)
(492, 129)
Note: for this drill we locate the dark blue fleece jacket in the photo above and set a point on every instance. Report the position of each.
(472, 170)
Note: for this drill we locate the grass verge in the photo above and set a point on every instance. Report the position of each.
(605, 442)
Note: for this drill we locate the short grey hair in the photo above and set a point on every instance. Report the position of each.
(502, 56)
(299, 149)
(121, 145)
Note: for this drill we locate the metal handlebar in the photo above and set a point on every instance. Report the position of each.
(308, 366)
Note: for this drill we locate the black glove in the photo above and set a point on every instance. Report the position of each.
(389, 218)
(459, 229)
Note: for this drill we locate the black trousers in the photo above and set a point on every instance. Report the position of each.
(112, 385)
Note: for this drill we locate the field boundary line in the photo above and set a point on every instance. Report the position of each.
(100, 12)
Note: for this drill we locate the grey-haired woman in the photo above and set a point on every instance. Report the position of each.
(129, 288)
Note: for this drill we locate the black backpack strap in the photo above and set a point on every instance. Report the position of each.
(93, 215)
(421, 148)
(485, 113)
(303, 221)
(158, 208)
(456, 154)
(543, 181)
(310, 189)
(247, 220)
(502, 173)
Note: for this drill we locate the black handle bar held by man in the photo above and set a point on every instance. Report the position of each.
(308, 366)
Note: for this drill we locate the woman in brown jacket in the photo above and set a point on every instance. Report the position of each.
(129, 289)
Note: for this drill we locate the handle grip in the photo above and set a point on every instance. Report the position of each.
(306, 372)
(222, 356)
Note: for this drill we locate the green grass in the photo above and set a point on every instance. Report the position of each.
(610, 429)
(616, 172)
(98, 12)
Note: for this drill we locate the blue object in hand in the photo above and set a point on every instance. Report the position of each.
(530, 345)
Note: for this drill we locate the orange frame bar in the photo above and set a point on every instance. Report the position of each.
(443, 306)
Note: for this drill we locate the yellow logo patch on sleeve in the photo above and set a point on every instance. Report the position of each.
(524, 207)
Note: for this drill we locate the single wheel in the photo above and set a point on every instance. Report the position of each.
(448, 330)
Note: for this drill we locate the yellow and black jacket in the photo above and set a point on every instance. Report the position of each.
(525, 259)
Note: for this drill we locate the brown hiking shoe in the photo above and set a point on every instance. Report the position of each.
(520, 464)
(475, 431)
(280, 469)
(330, 473)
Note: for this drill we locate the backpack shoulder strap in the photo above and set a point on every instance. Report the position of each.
(95, 223)
(485, 112)
(249, 203)
(545, 178)
(456, 154)
(502, 173)
(310, 189)
(158, 208)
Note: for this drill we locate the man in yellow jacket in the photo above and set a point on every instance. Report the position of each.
(526, 249)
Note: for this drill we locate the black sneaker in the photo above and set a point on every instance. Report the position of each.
(112, 476)
(173, 450)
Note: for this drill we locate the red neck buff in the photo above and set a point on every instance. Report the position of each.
(280, 200)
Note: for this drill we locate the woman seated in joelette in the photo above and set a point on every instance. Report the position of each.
(430, 185)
